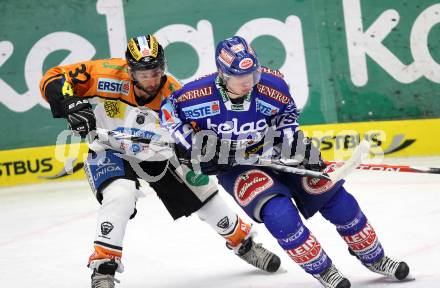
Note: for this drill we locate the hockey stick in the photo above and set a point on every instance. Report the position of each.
(276, 166)
(65, 170)
(294, 170)
(124, 136)
(341, 172)
(71, 165)
(343, 168)
(351, 164)
(392, 168)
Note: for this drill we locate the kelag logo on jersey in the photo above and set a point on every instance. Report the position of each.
(202, 110)
(113, 86)
(266, 108)
(237, 128)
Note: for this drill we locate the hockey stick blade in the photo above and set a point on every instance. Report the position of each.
(65, 170)
(352, 163)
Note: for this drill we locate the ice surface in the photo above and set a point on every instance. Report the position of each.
(47, 233)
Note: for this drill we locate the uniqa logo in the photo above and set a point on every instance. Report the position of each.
(105, 165)
(104, 162)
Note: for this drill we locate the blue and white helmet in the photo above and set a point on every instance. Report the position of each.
(235, 57)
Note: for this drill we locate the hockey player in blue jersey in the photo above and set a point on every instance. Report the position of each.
(248, 108)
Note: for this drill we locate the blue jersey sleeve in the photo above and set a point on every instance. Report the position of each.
(286, 120)
(175, 122)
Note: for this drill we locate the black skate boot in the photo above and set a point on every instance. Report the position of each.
(104, 275)
(388, 267)
(332, 278)
(258, 256)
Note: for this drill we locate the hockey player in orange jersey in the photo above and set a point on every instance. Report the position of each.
(126, 94)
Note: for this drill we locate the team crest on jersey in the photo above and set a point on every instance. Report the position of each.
(250, 184)
(266, 108)
(202, 110)
(114, 86)
(114, 109)
(140, 119)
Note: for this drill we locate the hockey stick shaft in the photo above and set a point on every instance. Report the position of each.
(294, 170)
(125, 136)
(278, 167)
(391, 168)
(343, 169)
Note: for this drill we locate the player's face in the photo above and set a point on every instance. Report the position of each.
(149, 80)
(240, 85)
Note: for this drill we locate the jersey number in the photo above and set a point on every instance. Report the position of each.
(82, 73)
